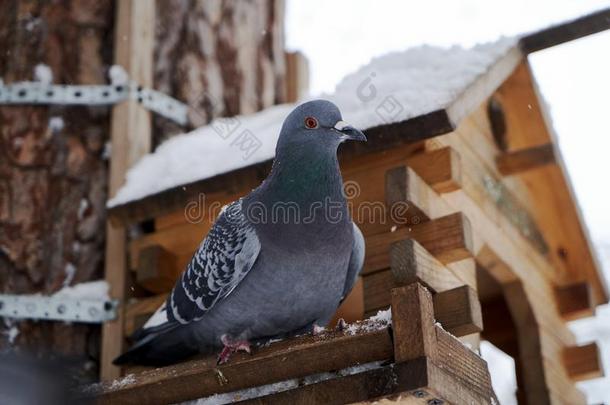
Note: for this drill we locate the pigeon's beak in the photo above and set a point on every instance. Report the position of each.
(349, 132)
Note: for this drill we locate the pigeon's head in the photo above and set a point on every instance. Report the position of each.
(317, 124)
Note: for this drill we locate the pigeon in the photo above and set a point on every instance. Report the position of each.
(276, 263)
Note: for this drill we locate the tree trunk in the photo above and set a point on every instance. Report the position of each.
(53, 178)
(222, 58)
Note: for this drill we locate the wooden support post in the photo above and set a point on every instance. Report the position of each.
(156, 270)
(525, 159)
(439, 168)
(297, 76)
(130, 138)
(413, 323)
(583, 362)
(459, 311)
(575, 301)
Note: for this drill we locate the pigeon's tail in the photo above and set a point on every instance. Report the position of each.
(157, 349)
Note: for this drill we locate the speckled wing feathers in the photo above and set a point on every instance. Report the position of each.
(222, 261)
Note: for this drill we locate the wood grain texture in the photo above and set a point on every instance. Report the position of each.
(131, 139)
(293, 358)
(567, 31)
(525, 159)
(575, 301)
(53, 181)
(440, 169)
(583, 362)
(459, 311)
(448, 238)
(553, 202)
(413, 323)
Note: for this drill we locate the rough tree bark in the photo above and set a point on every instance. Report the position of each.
(222, 58)
(53, 181)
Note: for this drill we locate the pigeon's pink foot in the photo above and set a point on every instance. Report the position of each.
(230, 347)
(317, 330)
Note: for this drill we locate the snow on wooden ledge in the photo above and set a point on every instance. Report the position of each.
(391, 88)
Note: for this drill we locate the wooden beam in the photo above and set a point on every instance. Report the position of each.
(448, 238)
(131, 139)
(566, 31)
(583, 362)
(575, 301)
(156, 270)
(293, 358)
(413, 323)
(410, 263)
(297, 76)
(525, 159)
(406, 196)
(439, 168)
(459, 311)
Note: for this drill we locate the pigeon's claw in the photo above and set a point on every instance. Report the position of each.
(230, 347)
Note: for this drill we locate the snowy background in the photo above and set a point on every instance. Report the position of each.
(340, 36)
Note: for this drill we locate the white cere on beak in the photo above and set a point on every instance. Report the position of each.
(340, 125)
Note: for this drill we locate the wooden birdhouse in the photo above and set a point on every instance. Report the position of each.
(472, 232)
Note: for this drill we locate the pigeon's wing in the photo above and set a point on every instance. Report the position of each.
(222, 261)
(356, 261)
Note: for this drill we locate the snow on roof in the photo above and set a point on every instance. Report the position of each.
(391, 88)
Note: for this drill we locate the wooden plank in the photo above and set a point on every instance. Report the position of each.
(406, 196)
(413, 323)
(448, 238)
(440, 169)
(566, 31)
(131, 139)
(297, 76)
(410, 263)
(575, 301)
(463, 363)
(458, 310)
(525, 159)
(550, 193)
(583, 362)
(416, 382)
(293, 358)
(156, 270)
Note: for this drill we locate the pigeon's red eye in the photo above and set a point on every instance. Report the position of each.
(311, 123)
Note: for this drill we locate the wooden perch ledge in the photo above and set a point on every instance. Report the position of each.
(374, 361)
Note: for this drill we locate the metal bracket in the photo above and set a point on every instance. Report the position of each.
(57, 308)
(41, 93)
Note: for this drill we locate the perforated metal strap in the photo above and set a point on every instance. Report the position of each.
(40, 93)
(57, 308)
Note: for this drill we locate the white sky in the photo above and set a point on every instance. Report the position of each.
(339, 36)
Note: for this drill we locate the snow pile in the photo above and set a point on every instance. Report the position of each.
(92, 290)
(118, 75)
(43, 74)
(381, 320)
(117, 384)
(391, 88)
